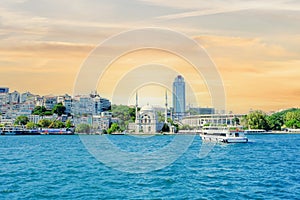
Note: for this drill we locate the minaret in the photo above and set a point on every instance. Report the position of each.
(166, 108)
(137, 123)
(136, 107)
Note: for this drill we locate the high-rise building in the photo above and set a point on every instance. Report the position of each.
(179, 95)
(4, 90)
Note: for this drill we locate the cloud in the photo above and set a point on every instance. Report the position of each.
(256, 74)
(196, 8)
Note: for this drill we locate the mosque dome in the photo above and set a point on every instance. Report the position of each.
(147, 108)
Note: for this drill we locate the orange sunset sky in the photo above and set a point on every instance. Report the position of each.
(255, 46)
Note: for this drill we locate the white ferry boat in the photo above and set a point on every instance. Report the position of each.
(223, 134)
(255, 131)
(10, 130)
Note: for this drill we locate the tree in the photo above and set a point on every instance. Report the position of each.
(83, 128)
(31, 125)
(277, 120)
(257, 120)
(165, 128)
(56, 124)
(21, 120)
(59, 109)
(48, 113)
(68, 124)
(161, 116)
(39, 110)
(126, 114)
(44, 123)
(114, 128)
(236, 121)
(292, 119)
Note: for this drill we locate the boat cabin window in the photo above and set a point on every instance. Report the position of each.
(236, 134)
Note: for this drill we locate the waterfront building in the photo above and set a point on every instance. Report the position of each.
(179, 96)
(6, 121)
(101, 122)
(147, 121)
(83, 120)
(198, 121)
(35, 118)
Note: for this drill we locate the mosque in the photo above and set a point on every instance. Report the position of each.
(146, 120)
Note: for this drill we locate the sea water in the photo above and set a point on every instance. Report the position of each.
(61, 167)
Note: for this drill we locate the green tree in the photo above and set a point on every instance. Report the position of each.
(39, 110)
(104, 131)
(31, 125)
(68, 124)
(21, 120)
(114, 128)
(292, 119)
(173, 124)
(161, 116)
(48, 113)
(236, 121)
(83, 128)
(59, 124)
(44, 123)
(126, 114)
(275, 121)
(257, 120)
(165, 128)
(59, 109)
(56, 124)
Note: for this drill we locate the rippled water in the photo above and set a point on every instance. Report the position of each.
(59, 167)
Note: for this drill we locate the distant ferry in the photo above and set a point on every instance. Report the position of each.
(12, 130)
(255, 131)
(56, 131)
(223, 134)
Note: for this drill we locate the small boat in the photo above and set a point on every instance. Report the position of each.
(223, 134)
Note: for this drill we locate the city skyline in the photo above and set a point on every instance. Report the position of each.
(254, 44)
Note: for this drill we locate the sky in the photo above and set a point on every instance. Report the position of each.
(254, 45)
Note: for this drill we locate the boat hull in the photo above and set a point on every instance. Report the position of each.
(224, 139)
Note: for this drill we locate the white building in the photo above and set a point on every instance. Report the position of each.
(26, 96)
(50, 102)
(198, 121)
(26, 108)
(101, 122)
(66, 100)
(90, 105)
(14, 97)
(147, 121)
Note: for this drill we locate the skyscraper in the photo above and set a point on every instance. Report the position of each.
(179, 95)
